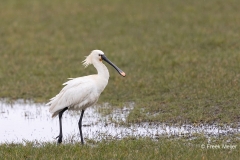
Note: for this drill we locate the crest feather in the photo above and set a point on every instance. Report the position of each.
(87, 61)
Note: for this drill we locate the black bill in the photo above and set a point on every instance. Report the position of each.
(118, 69)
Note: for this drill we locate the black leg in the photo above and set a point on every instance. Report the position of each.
(60, 124)
(80, 126)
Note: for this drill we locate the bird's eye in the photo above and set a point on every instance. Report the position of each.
(99, 54)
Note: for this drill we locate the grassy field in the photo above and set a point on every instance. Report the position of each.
(125, 149)
(181, 59)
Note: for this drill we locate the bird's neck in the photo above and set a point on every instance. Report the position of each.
(102, 70)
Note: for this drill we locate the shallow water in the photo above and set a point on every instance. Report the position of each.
(21, 121)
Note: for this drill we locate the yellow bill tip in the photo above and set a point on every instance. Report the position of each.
(123, 74)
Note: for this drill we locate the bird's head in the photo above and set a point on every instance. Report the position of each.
(97, 56)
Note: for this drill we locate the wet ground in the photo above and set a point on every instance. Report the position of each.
(26, 121)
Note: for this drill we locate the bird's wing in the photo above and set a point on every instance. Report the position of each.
(78, 92)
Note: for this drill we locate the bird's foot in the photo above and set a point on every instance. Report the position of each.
(59, 139)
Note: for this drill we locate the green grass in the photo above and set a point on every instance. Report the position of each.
(124, 149)
(181, 59)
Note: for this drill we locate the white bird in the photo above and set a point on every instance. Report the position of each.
(82, 92)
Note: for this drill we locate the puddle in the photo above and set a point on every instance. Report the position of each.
(21, 121)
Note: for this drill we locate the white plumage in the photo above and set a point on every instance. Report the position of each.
(79, 93)
(82, 92)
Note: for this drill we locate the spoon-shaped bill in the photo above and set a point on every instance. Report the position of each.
(114, 66)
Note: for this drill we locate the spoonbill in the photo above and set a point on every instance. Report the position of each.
(82, 92)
